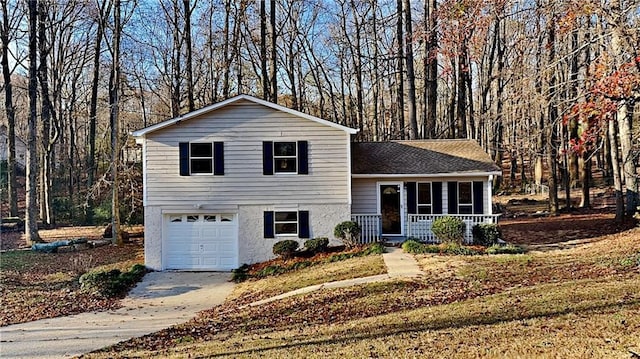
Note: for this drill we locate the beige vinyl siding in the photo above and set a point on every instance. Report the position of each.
(365, 192)
(243, 126)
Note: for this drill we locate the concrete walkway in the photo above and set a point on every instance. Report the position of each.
(399, 265)
(161, 300)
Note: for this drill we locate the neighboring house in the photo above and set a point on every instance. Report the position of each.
(224, 183)
(21, 148)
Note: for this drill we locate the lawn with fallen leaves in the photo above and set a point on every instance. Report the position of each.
(44, 285)
(578, 302)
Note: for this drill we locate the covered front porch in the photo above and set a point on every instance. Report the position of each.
(400, 188)
(417, 226)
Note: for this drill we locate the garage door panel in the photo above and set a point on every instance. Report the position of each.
(201, 242)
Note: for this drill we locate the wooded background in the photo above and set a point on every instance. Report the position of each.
(547, 87)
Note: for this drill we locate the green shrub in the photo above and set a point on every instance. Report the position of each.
(508, 249)
(457, 249)
(412, 246)
(415, 247)
(285, 249)
(317, 245)
(486, 234)
(111, 283)
(373, 248)
(348, 232)
(449, 229)
(240, 274)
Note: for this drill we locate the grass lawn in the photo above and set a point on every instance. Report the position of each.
(40, 285)
(254, 290)
(575, 303)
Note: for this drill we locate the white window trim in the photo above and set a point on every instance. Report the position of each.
(418, 204)
(201, 158)
(297, 222)
(465, 204)
(275, 168)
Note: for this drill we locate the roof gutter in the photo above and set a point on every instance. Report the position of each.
(428, 175)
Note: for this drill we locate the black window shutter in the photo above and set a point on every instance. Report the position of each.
(303, 223)
(303, 157)
(268, 224)
(184, 158)
(478, 201)
(453, 197)
(436, 197)
(267, 158)
(412, 207)
(218, 158)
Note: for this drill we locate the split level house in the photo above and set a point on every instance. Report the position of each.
(224, 183)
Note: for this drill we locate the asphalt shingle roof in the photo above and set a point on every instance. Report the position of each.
(420, 157)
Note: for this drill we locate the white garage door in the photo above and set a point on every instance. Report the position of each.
(201, 241)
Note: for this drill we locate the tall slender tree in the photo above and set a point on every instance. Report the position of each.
(114, 114)
(31, 230)
(5, 40)
(411, 75)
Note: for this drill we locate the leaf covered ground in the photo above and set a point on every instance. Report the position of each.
(44, 285)
(582, 301)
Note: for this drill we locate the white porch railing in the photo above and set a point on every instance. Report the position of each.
(369, 225)
(419, 225)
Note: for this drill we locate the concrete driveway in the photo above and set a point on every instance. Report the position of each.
(162, 299)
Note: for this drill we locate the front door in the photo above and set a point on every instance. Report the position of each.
(390, 195)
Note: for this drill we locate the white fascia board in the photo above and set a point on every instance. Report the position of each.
(144, 131)
(429, 175)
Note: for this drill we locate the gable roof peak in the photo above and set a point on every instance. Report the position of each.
(184, 117)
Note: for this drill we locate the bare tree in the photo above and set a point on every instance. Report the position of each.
(31, 230)
(411, 76)
(6, 29)
(114, 105)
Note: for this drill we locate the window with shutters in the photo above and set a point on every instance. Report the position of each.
(286, 223)
(424, 203)
(465, 198)
(201, 158)
(285, 157)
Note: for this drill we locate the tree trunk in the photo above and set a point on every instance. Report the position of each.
(10, 111)
(461, 109)
(552, 122)
(189, 50)
(432, 68)
(624, 117)
(46, 213)
(263, 52)
(114, 105)
(400, 73)
(225, 50)
(615, 166)
(411, 76)
(93, 108)
(31, 230)
(274, 53)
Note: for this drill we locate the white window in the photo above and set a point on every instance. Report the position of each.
(424, 198)
(285, 157)
(192, 218)
(465, 197)
(286, 223)
(201, 158)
